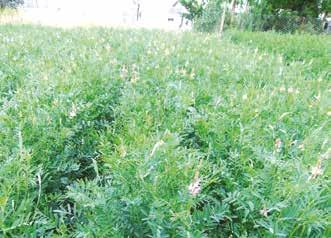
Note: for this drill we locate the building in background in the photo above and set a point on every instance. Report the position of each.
(164, 14)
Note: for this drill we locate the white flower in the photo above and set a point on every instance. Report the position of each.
(294, 142)
(290, 90)
(264, 212)
(73, 111)
(318, 97)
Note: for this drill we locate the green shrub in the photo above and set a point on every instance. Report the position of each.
(259, 17)
(210, 17)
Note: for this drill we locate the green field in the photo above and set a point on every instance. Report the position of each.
(136, 133)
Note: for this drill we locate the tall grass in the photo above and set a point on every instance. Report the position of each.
(135, 133)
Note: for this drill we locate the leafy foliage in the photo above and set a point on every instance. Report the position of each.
(282, 16)
(103, 133)
(10, 3)
(194, 8)
(326, 6)
(210, 17)
(292, 48)
(287, 16)
(303, 7)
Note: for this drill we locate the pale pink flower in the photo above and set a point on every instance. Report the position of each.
(156, 146)
(122, 151)
(123, 73)
(316, 170)
(278, 145)
(195, 188)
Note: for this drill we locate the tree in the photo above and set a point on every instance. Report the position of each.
(280, 15)
(304, 8)
(10, 3)
(194, 8)
(326, 6)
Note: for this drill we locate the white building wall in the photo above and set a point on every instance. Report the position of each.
(153, 13)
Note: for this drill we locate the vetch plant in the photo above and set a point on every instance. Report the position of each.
(138, 133)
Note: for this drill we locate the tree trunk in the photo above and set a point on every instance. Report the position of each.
(233, 8)
(222, 20)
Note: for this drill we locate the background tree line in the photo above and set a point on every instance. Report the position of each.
(10, 3)
(279, 15)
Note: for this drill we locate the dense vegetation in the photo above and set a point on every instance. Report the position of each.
(287, 16)
(132, 133)
(10, 3)
(312, 50)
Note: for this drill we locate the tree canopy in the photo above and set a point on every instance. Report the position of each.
(10, 3)
(194, 8)
(307, 8)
